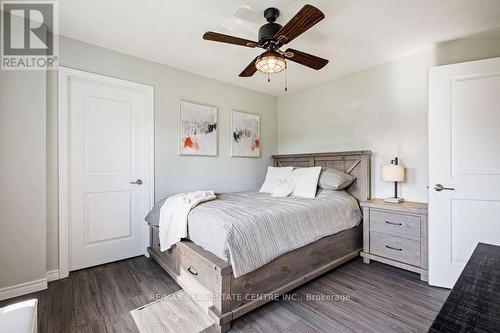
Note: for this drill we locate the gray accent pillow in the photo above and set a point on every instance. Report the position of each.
(333, 179)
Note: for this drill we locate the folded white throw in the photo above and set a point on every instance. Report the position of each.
(174, 216)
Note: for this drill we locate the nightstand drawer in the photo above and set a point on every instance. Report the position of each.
(396, 248)
(394, 222)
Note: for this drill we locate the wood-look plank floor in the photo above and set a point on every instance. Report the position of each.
(380, 299)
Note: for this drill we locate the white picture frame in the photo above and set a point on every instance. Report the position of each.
(245, 134)
(198, 129)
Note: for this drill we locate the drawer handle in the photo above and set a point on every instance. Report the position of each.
(192, 271)
(393, 248)
(393, 223)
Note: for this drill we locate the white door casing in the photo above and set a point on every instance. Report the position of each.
(464, 154)
(106, 142)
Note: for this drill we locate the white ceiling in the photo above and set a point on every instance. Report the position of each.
(355, 34)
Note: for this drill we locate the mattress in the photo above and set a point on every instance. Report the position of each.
(250, 229)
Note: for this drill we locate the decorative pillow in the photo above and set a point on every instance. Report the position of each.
(283, 188)
(273, 176)
(306, 182)
(333, 179)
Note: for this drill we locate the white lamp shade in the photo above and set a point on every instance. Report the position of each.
(393, 173)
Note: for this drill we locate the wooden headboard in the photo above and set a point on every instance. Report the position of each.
(356, 163)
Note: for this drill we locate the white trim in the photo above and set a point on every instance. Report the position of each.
(62, 143)
(23, 288)
(53, 275)
(151, 161)
(64, 76)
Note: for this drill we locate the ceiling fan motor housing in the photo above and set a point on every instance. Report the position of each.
(268, 30)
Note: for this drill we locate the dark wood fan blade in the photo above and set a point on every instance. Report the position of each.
(305, 59)
(250, 69)
(302, 21)
(217, 37)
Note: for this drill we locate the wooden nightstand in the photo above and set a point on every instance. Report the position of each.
(396, 234)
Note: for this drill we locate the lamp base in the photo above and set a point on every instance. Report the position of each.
(394, 200)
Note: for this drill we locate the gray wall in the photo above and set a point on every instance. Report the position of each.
(173, 173)
(383, 108)
(22, 176)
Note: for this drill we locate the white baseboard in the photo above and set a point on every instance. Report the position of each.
(28, 287)
(23, 288)
(53, 275)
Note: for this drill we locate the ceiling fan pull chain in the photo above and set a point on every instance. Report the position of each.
(286, 80)
(268, 77)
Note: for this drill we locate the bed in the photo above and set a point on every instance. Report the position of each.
(202, 265)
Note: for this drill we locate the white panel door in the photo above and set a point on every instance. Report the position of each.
(108, 170)
(464, 158)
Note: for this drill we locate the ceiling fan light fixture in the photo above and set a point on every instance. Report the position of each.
(270, 62)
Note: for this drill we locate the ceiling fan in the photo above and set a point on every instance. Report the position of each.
(272, 36)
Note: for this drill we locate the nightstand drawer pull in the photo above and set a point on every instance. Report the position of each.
(393, 223)
(393, 248)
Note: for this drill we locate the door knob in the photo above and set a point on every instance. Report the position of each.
(439, 188)
(137, 182)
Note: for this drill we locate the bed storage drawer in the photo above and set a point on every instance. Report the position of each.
(196, 268)
(396, 248)
(395, 223)
(169, 257)
(200, 273)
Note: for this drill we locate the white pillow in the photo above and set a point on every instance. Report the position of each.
(273, 176)
(306, 181)
(283, 188)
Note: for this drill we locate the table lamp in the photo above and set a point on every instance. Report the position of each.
(393, 173)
